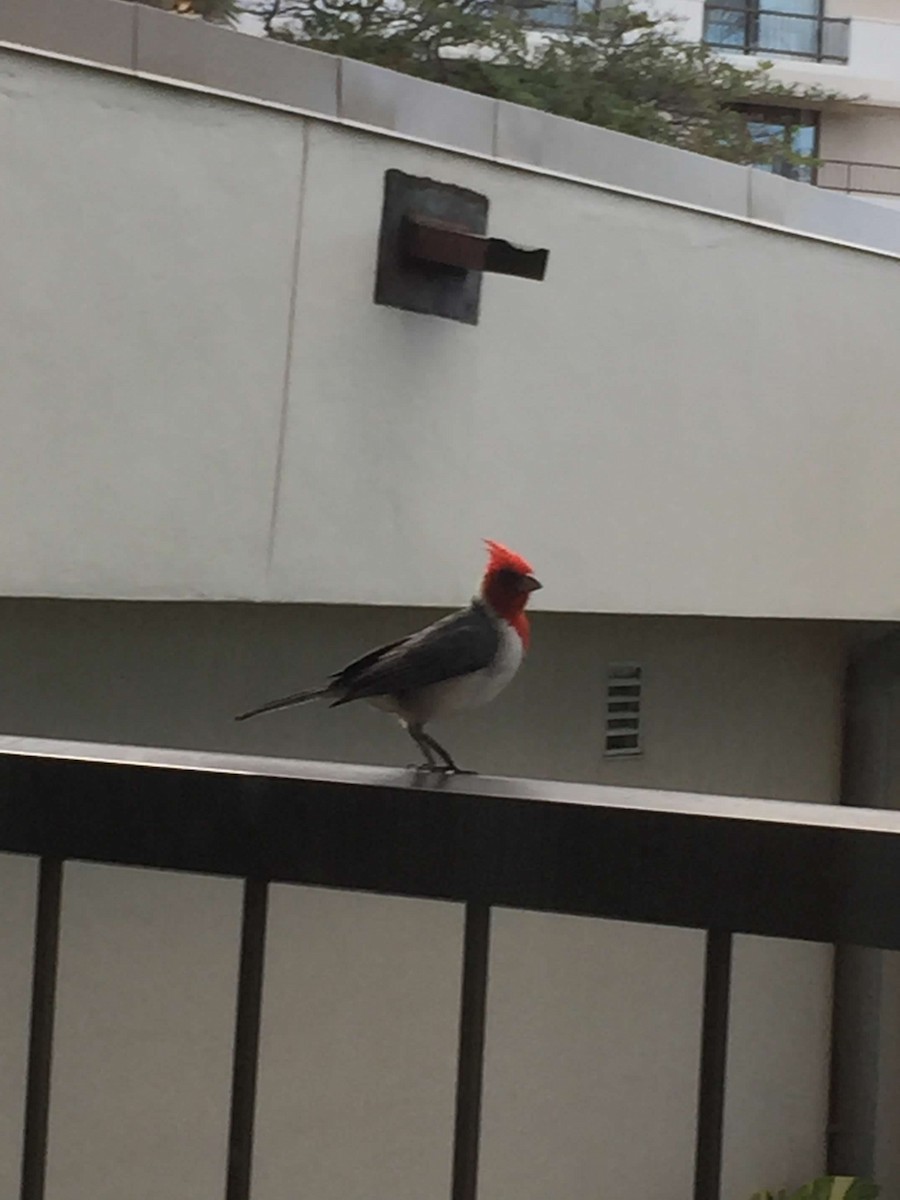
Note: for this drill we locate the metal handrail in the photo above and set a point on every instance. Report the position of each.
(719, 863)
(851, 177)
(776, 12)
(671, 858)
(828, 40)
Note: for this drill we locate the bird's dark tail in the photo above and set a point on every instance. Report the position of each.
(286, 702)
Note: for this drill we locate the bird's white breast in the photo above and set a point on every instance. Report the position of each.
(468, 691)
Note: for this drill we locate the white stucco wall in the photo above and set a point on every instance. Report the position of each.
(689, 415)
(591, 1050)
(567, 997)
(143, 1034)
(875, 48)
(358, 1047)
(859, 136)
(892, 202)
(776, 1103)
(873, 10)
(862, 134)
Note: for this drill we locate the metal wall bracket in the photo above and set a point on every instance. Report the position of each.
(433, 249)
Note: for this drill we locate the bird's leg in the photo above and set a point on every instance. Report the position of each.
(430, 763)
(428, 742)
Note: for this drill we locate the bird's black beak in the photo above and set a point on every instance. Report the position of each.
(528, 583)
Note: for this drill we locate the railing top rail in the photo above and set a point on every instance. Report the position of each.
(860, 162)
(306, 772)
(858, 177)
(777, 12)
(796, 870)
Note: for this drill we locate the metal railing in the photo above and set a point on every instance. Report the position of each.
(720, 864)
(753, 30)
(865, 178)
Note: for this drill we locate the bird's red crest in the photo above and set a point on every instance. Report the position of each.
(501, 557)
(507, 601)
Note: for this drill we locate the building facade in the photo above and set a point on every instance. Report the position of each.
(849, 47)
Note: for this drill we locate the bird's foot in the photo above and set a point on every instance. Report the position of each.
(427, 768)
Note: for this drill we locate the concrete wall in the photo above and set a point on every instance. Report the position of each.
(890, 202)
(873, 780)
(887, 1149)
(875, 49)
(862, 135)
(18, 877)
(591, 1056)
(585, 1075)
(206, 402)
(143, 1034)
(776, 1106)
(871, 10)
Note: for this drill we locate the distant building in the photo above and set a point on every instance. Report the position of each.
(847, 46)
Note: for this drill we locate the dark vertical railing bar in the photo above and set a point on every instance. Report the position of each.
(246, 1039)
(40, 1038)
(713, 1058)
(470, 1064)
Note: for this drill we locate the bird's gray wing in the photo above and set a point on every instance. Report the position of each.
(354, 669)
(464, 642)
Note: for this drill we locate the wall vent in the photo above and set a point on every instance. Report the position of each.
(623, 709)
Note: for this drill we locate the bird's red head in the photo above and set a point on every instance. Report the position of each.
(506, 586)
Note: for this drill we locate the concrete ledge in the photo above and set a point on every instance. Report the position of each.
(100, 30)
(559, 144)
(219, 58)
(828, 214)
(128, 35)
(416, 107)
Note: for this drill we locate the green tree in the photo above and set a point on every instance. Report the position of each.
(830, 1187)
(618, 67)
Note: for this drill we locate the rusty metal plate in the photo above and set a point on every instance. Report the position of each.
(439, 243)
(403, 281)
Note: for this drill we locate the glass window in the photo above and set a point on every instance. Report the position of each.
(784, 33)
(553, 16)
(729, 25)
(796, 129)
(796, 28)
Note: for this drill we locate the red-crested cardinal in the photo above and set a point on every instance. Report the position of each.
(457, 663)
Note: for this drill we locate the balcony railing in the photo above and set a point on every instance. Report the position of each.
(863, 178)
(720, 864)
(748, 30)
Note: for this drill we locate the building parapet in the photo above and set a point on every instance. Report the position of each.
(131, 38)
